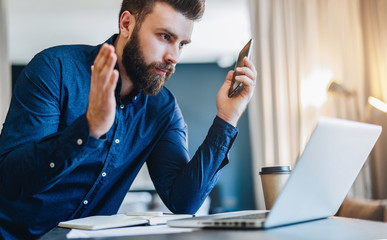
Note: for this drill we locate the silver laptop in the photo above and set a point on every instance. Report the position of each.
(318, 184)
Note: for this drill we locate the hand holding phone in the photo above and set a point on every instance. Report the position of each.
(235, 85)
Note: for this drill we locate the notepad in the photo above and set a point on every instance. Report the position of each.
(121, 220)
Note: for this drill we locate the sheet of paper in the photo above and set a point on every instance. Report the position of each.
(127, 231)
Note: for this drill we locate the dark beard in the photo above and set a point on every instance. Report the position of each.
(144, 78)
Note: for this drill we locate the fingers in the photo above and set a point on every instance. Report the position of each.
(103, 55)
(105, 62)
(229, 76)
(99, 61)
(248, 70)
(112, 83)
(248, 73)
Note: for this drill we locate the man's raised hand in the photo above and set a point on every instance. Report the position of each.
(102, 103)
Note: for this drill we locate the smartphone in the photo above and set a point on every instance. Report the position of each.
(235, 85)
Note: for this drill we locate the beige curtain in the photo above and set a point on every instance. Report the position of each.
(5, 69)
(374, 22)
(302, 45)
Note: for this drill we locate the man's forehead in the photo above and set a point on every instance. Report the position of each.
(164, 16)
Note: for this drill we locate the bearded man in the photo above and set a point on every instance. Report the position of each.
(84, 119)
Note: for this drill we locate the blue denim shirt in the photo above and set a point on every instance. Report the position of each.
(52, 170)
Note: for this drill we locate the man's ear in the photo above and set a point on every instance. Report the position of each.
(127, 23)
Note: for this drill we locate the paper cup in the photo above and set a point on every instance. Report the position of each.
(273, 179)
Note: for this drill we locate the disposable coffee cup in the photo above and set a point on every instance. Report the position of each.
(273, 179)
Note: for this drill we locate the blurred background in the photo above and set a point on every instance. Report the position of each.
(314, 58)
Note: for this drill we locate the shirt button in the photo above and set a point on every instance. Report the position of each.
(79, 141)
(103, 174)
(52, 165)
(117, 141)
(122, 106)
(135, 98)
(85, 202)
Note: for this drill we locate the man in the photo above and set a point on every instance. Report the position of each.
(84, 119)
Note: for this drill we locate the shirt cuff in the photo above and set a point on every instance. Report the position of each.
(222, 133)
(78, 135)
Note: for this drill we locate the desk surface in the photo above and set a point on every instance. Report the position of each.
(331, 228)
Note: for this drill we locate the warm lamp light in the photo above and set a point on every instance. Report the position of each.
(335, 87)
(378, 104)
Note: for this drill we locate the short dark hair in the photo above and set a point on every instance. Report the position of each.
(192, 9)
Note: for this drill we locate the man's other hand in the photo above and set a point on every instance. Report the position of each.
(102, 103)
(231, 109)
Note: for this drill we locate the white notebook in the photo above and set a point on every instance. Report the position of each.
(121, 220)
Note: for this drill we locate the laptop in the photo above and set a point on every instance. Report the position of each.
(318, 184)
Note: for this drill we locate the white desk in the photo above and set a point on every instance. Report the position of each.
(332, 228)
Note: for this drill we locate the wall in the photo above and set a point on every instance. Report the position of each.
(5, 71)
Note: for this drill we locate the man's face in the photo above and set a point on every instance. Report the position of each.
(151, 54)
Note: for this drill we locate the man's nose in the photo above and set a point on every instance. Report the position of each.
(172, 55)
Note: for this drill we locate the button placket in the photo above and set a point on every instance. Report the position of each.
(109, 165)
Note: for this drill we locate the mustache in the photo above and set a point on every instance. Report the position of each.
(165, 66)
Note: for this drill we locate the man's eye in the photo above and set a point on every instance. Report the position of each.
(165, 36)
